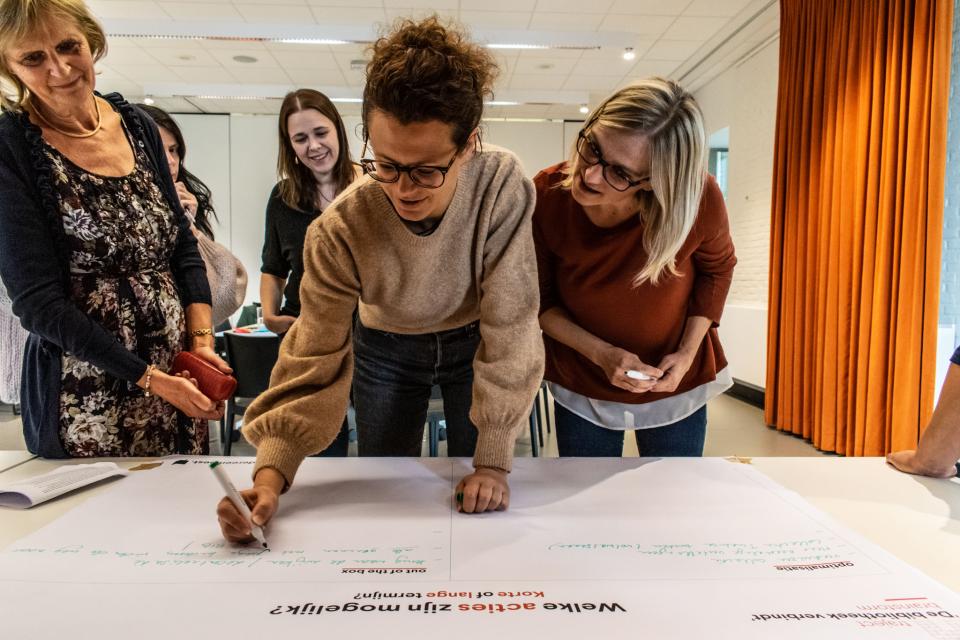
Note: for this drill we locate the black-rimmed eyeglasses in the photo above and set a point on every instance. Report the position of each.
(425, 175)
(614, 175)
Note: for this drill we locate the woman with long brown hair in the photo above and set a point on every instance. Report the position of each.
(314, 167)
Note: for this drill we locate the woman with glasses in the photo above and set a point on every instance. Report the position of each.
(433, 249)
(635, 260)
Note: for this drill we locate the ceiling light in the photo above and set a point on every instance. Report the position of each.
(584, 109)
(244, 59)
(628, 54)
(227, 97)
(501, 103)
(311, 41)
(516, 46)
(353, 100)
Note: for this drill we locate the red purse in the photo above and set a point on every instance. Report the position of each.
(212, 382)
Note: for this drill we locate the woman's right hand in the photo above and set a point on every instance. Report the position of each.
(278, 324)
(183, 393)
(615, 363)
(263, 500)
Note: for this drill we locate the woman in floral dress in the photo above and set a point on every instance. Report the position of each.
(95, 252)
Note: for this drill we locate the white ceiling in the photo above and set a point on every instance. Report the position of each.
(690, 40)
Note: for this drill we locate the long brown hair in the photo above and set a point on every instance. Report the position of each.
(298, 187)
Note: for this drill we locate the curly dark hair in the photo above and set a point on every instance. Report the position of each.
(428, 70)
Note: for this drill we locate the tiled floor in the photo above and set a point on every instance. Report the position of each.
(734, 428)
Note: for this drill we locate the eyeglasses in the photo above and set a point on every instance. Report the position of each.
(614, 175)
(425, 175)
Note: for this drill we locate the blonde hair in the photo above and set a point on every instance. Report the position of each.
(672, 123)
(21, 18)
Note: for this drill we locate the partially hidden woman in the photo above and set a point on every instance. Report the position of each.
(225, 273)
(95, 251)
(314, 167)
(635, 260)
(433, 250)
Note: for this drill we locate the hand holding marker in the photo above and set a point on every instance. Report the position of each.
(238, 502)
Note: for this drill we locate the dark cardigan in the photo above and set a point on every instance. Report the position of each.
(35, 268)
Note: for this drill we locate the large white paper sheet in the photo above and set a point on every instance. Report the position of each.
(604, 548)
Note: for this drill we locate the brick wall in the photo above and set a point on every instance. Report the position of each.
(950, 272)
(744, 98)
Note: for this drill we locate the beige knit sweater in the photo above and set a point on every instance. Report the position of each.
(478, 264)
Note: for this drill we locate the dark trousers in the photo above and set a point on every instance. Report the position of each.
(577, 436)
(338, 448)
(392, 379)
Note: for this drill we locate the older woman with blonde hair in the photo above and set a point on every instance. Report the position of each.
(95, 251)
(635, 260)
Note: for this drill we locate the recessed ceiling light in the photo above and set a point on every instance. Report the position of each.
(545, 65)
(584, 109)
(629, 54)
(148, 100)
(244, 59)
(186, 56)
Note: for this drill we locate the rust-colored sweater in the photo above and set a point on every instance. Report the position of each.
(478, 264)
(588, 270)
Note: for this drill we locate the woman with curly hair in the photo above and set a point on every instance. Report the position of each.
(433, 249)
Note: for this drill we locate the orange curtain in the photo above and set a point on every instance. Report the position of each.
(857, 214)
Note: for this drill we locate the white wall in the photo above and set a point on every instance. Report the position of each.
(744, 98)
(207, 139)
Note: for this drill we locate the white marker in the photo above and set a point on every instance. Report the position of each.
(637, 375)
(237, 501)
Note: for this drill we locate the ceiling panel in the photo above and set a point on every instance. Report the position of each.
(650, 7)
(285, 13)
(666, 36)
(497, 19)
(202, 11)
(580, 21)
(573, 6)
(694, 28)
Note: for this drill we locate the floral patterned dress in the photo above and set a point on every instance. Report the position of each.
(121, 233)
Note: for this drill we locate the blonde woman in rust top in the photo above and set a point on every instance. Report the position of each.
(635, 260)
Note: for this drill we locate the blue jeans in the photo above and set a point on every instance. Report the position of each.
(392, 379)
(577, 436)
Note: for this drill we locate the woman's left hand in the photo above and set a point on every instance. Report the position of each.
(209, 355)
(485, 489)
(674, 367)
(187, 200)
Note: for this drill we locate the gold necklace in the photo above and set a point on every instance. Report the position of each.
(88, 134)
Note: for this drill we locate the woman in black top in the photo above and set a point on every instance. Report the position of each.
(95, 252)
(314, 166)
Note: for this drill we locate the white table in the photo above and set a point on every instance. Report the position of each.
(916, 519)
(635, 545)
(9, 459)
